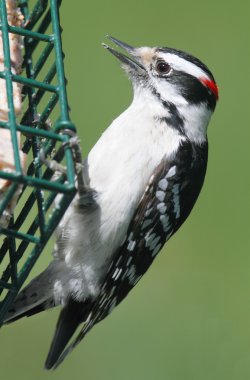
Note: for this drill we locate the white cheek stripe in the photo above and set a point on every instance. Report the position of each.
(181, 64)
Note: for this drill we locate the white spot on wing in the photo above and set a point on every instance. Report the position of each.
(162, 208)
(129, 261)
(165, 222)
(117, 273)
(124, 274)
(163, 184)
(112, 291)
(156, 250)
(176, 190)
(131, 245)
(146, 223)
(160, 195)
(154, 243)
(171, 172)
(113, 304)
(149, 239)
(102, 303)
(131, 274)
(118, 261)
(148, 212)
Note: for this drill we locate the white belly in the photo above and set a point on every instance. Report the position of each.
(119, 167)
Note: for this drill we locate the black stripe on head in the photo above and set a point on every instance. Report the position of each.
(175, 120)
(188, 57)
(192, 89)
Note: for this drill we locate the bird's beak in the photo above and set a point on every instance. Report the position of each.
(128, 62)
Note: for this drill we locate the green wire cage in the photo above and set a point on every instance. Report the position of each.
(44, 102)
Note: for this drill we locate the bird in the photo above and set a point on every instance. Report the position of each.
(143, 177)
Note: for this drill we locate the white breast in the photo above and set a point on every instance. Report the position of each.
(119, 167)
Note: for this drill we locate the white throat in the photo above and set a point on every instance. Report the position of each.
(195, 117)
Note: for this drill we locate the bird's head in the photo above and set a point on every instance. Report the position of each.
(183, 85)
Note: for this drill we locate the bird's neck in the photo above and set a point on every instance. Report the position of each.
(189, 120)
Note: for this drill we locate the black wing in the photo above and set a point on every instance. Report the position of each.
(167, 201)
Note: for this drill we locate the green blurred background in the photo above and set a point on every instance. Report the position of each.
(189, 318)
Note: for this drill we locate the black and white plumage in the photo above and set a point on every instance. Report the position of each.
(145, 172)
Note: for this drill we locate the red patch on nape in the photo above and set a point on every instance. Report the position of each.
(211, 85)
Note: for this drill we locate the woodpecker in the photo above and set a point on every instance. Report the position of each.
(144, 176)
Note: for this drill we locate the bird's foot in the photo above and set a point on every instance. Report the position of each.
(86, 195)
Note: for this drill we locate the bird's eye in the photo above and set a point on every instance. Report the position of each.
(162, 67)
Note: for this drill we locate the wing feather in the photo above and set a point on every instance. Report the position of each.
(165, 204)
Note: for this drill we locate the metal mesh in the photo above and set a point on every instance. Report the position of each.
(44, 98)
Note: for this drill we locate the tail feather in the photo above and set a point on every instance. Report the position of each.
(70, 318)
(34, 298)
(28, 313)
(38, 296)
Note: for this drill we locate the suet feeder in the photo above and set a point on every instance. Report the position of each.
(28, 214)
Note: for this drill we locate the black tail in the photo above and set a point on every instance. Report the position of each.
(70, 318)
(35, 297)
(28, 313)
